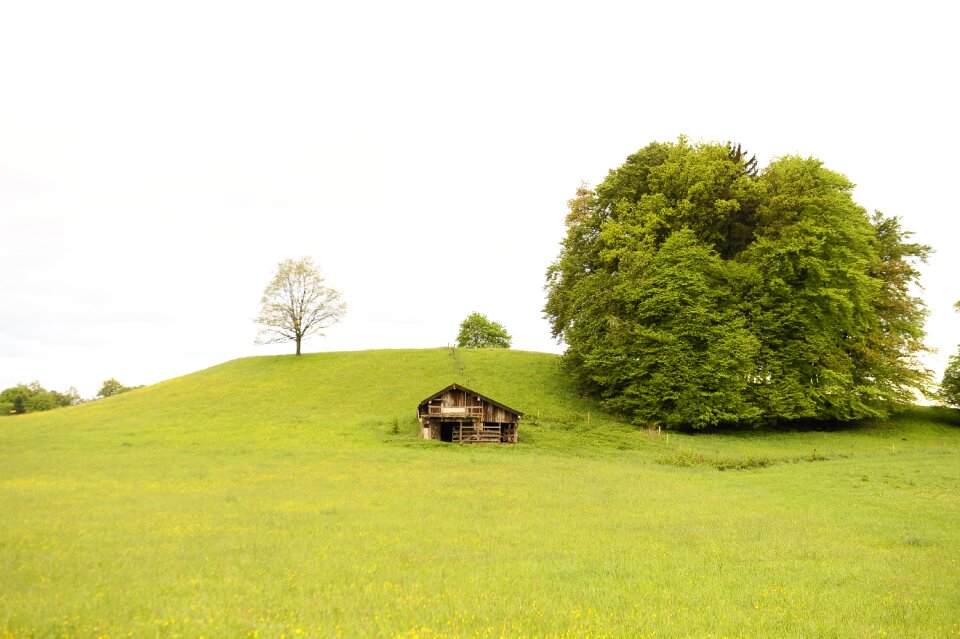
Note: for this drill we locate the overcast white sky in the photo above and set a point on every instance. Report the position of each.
(157, 159)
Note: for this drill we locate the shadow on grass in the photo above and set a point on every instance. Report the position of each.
(926, 414)
(939, 414)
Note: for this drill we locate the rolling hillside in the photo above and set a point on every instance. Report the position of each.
(282, 496)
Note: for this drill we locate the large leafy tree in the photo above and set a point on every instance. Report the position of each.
(296, 304)
(694, 290)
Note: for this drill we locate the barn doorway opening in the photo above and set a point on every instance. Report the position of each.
(446, 431)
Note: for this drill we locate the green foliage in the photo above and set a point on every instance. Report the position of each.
(112, 387)
(950, 384)
(679, 351)
(12, 400)
(476, 331)
(694, 291)
(268, 496)
(33, 398)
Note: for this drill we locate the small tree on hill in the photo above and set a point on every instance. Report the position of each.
(112, 387)
(476, 331)
(296, 304)
(950, 385)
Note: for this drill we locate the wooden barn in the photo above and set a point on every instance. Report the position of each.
(458, 414)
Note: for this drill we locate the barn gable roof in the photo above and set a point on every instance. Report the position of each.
(483, 397)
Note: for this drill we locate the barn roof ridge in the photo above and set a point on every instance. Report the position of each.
(472, 392)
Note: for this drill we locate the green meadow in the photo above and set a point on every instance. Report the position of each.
(290, 497)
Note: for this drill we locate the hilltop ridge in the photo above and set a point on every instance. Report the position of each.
(345, 397)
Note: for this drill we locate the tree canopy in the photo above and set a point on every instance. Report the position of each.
(296, 304)
(476, 331)
(693, 289)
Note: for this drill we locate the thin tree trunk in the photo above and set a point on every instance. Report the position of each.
(298, 344)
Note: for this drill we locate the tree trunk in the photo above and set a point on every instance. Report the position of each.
(298, 344)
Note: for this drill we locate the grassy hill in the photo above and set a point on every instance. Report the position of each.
(283, 496)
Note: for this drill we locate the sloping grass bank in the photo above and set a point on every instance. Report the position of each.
(290, 497)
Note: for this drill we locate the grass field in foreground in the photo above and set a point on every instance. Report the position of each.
(284, 496)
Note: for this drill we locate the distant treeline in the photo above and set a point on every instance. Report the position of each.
(33, 398)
